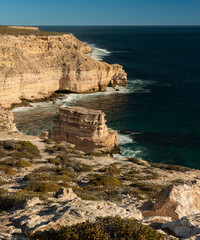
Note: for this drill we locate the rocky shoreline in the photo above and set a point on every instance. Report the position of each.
(45, 185)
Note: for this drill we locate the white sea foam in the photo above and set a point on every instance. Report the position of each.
(21, 109)
(125, 139)
(133, 86)
(98, 53)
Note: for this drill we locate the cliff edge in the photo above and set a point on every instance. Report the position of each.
(33, 67)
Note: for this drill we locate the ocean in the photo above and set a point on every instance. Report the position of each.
(157, 115)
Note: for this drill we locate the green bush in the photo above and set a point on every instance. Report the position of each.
(112, 170)
(26, 149)
(10, 200)
(43, 187)
(170, 167)
(7, 170)
(107, 181)
(109, 228)
(23, 163)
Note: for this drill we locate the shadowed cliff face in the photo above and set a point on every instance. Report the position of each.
(32, 67)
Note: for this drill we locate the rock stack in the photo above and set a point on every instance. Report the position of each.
(6, 122)
(85, 128)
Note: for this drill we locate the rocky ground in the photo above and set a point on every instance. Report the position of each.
(90, 187)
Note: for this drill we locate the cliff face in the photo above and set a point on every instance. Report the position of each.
(33, 67)
(85, 128)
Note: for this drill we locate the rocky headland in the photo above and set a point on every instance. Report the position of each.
(69, 177)
(34, 66)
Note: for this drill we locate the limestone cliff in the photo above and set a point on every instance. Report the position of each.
(32, 67)
(85, 128)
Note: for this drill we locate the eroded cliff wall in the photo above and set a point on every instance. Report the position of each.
(32, 67)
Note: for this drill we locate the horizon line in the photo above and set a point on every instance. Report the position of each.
(140, 25)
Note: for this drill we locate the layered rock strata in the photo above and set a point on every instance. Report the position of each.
(33, 67)
(85, 128)
(6, 122)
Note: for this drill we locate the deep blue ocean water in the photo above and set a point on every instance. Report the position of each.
(158, 114)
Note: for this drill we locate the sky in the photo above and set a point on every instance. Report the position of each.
(99, 12)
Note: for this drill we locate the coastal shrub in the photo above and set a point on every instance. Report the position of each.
(112, 170)
(85, 194)
(147, 188)
(47, 140)
(26, 149)
(8, 162)
(108, 228)
(107, 181)
(3, 154)
(8, 170)
(171, 167)
(23, 163)
(130, 175)
(44, 174)
(42, 187)
(136, 161)
(15, 199)
(10, 145)
(81, 167)
(134, 192)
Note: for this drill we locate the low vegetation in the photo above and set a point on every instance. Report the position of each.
(4, 30)
(109, 228)
(16, 199)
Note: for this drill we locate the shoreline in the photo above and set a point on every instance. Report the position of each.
(53, 184)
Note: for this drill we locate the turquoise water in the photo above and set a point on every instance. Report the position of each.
(157, 115)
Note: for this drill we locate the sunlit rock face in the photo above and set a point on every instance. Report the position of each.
(33, 67)
(85, 128)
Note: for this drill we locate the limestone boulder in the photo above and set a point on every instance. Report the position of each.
(65, 194)
(176, 201)
(32, 202)
(187, 227)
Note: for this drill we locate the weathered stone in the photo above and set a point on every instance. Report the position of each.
(6, 122)
(185, 228)
(85, 128)
(66, 194)
(176, 201)
(44, 135)
(61, 213)
(32, 202)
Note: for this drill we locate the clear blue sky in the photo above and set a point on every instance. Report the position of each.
(100, 12)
